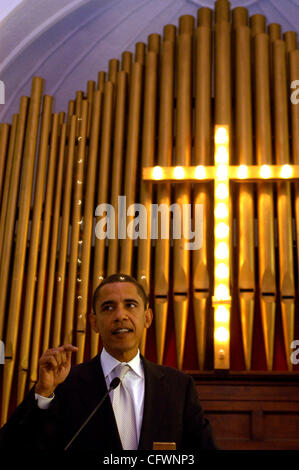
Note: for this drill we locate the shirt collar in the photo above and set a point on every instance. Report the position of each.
(109, 362)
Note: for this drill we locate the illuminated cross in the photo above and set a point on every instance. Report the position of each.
(221, 173)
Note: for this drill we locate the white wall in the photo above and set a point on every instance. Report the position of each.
(67, 42)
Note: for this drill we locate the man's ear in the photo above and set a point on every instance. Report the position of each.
(148, 317)
(93, 322)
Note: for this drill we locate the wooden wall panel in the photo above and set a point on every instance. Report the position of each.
(251, 411)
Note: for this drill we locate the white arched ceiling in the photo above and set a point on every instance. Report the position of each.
(7, 6)
(21, 26)
(68, 42)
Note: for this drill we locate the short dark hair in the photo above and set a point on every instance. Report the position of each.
(119, 277)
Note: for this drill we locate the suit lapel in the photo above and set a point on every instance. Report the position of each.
(153, 406)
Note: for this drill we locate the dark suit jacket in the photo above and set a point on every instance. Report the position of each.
(172, 413)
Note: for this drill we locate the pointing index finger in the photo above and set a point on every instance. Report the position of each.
(69, 348)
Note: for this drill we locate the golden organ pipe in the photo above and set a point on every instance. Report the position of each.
(101, 80)
(290, 38)
(257, 24)
(284, 204)
(131, 160)
(71, 108)
(223, 115)
(102, 194)
(7, 177)
(202, 149)
(202, 140)
(103, 178)
(147, 155)
(140, 52)
(9, 218)
(61, 116)
(64, 236)
(76, 223)
(294, 74)
(34, 269)
(245, 203)
(52, 257)
(70, 113)
(154, 43)
(89, 94)
(21, 241)
(126, 62)
(239, 17)
(222, 11)
(265, 208)
(78, 108)
(83, 274)
(117, 169)
(78, 103)
(169, 32)
(186, 24)
(223, 73)
(204, 17)
(274, 31)
(181, 259)
(282, 150)
(148, 149)
(112, 70)
(4, 134)
(165, 145)
(294, 114)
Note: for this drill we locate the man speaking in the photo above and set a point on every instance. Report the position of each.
(116, 401)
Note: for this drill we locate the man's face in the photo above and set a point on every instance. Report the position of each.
(120, 319)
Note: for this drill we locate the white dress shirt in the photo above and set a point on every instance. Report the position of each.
(134, 383)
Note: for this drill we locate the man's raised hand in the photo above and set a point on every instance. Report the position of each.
(54, 367)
